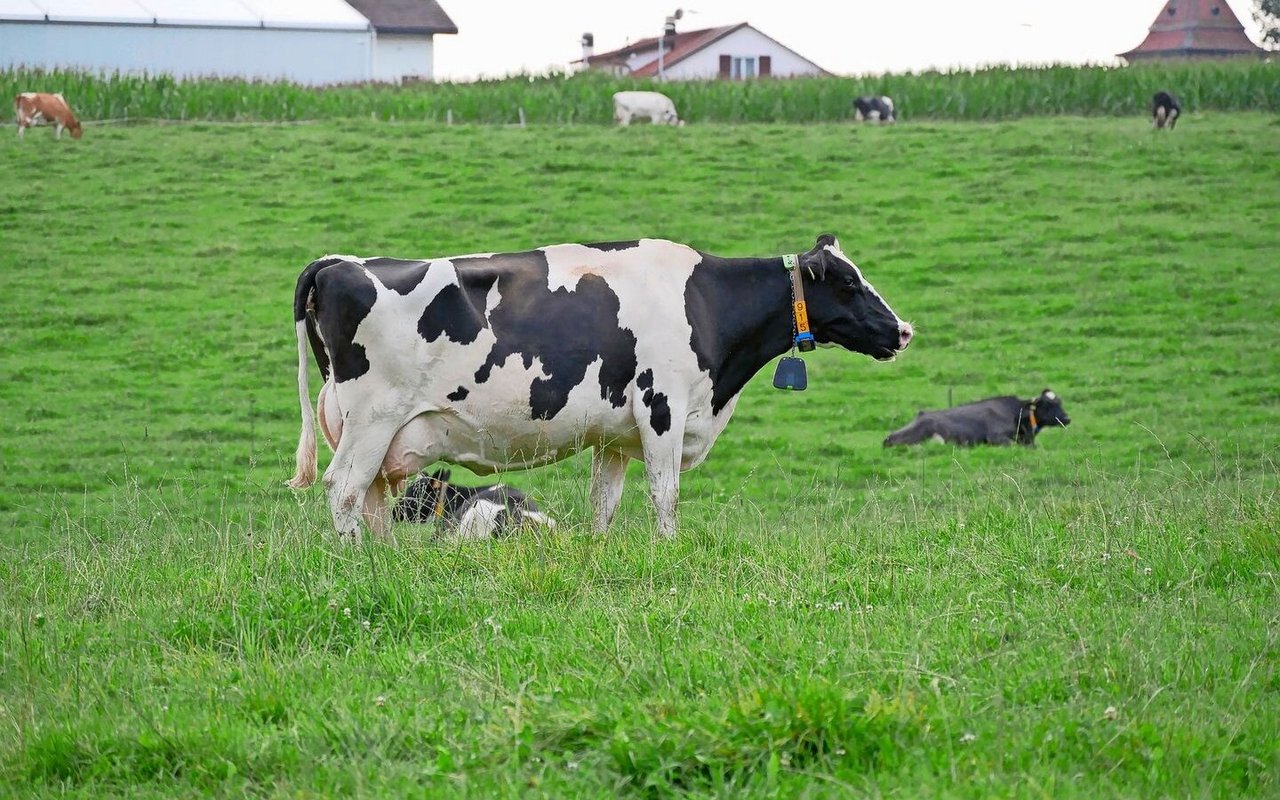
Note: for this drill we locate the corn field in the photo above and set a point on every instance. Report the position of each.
(986, 94)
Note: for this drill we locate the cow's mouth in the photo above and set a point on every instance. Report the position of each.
(885, 354)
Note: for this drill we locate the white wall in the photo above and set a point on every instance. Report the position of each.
(746, 42)
(398, 56)
(306, 56)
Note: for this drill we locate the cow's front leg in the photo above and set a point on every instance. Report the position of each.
(662, 454)
(357, 461)
(608, 473)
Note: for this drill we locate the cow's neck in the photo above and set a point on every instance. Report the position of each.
(740, 309)
(1028, 425)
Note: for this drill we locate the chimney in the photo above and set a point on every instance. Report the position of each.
(669, 26)
(588, 46)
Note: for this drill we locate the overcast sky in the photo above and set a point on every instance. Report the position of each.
(853, 37)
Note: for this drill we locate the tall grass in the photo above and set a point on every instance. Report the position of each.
(994, 93)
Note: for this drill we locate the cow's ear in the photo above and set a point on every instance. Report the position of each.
(816, 260)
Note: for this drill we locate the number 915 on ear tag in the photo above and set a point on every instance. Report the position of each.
(790, 374)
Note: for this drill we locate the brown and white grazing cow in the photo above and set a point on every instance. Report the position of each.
(39, 108)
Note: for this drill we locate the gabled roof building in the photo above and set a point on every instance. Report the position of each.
(1194, 29)
(306, 41)
(732, 52)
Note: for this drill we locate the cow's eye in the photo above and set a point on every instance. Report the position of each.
(850, 283)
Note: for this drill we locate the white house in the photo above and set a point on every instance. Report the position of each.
(733, 52)
(403, 36)
(307, 41)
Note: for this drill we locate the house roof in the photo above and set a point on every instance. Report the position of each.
(405, 16)
(1194, 28)
(677, 48)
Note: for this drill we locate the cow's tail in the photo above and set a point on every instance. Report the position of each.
(305, 473)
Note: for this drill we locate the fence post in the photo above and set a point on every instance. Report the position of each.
(448, 117)
(521, 116)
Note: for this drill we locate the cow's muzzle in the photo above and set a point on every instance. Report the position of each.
(905, 334)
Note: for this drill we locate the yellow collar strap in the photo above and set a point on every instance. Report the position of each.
(800, 313)
(439, 509)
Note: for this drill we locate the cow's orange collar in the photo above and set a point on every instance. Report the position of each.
(442, 487)
(799, 311)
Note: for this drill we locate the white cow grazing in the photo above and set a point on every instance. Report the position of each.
(653, 106)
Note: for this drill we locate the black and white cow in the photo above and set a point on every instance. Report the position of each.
(501, 361)
(1165, 110)
(875, 109)
(471, 512)
(996, 420)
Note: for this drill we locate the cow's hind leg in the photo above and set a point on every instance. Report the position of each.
(914, 433)
(608, 473)
(356, 464)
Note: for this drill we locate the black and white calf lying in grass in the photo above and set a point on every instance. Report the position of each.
(996, 420)
(469, 512)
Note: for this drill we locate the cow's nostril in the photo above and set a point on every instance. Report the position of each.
(905, 332)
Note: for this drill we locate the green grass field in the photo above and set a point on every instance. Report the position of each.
(1097, 617)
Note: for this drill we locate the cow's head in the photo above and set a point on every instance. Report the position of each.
(1049, 410)
(844, 309)
(74, 127)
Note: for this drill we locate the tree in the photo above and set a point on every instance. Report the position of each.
(1267, 13)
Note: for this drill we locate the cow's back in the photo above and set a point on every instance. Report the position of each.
(991, 420)
(513, 359)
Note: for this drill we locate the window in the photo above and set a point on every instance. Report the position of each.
(744, 67)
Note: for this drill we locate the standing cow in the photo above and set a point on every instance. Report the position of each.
(38, 108)
(996, 420)
(875, 109)
(634, 349)
(1165, 110)
(653, 106)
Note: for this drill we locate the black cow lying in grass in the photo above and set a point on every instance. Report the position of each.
(996, 420)
(1165, 110)
(471, 512)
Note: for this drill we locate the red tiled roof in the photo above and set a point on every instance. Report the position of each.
(683, 48)
(678, 47)
(1195, 27)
